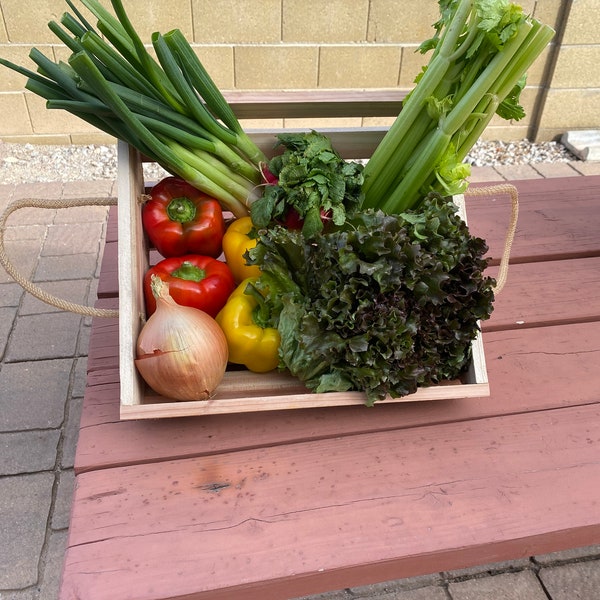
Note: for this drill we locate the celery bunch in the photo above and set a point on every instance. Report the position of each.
(481, 52)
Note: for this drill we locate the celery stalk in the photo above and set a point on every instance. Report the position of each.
(482, 49)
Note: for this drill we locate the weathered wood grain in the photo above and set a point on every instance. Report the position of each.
(402, 503)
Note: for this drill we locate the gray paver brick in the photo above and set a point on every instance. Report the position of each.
(516, 172)
(71, 433)
(76, 266)
(565, 555)
(506, 586)
(399, 585)
(64, 496)
(424, 593)
(549, 170)
(484, 174)
(497, 567)
(73, 290)
(34, 394)
(23, 259)
(28, 451)
(7, 317)
(50, 587)
(44, 336)
(574, 581)
(84, 238)
(10, 294)
(24, 507)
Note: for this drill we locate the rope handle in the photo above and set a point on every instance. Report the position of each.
(511, 190)
(27, 285)
(89, 311)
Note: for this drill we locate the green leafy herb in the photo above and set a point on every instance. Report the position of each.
(314, 184)
(381, 304)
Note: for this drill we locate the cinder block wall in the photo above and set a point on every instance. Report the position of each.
(311, 44)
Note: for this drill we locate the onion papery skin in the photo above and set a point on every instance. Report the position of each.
(181, 351)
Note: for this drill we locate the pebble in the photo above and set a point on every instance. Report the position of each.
(31, 163)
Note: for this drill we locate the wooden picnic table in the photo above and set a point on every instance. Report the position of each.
(276, 505)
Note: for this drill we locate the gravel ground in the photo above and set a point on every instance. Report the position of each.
(30, 163)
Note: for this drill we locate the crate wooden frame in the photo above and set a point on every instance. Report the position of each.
(240, 390)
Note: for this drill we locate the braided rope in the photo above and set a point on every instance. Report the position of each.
(33, 289)
(511, 190)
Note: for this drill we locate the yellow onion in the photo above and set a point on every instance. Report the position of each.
(181, 351)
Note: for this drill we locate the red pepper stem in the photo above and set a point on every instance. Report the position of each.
(189, 272)
(181, 210)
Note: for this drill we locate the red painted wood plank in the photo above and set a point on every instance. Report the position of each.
(548, 293)
(558, 218)
(529, 370)
(360, 509)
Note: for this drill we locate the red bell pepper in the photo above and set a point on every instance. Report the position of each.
(198, 281)
(179, 219)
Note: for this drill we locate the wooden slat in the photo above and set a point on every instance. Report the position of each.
(316, 103)
(548, 293)
(529, 370)
(398, 503)
(558, 218)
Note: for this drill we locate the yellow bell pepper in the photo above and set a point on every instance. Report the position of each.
(249, 343)
(236, 242)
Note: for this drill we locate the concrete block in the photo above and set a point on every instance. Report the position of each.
(331, 22)
(276, 67)
(218, 61)
(24, 508)
(14, 116)
(406, 22)
(583, 144)
(34, 394)
(28, 451)
(148, 17)
(55, 121)
(359, 66)
(575, 581)
(571, 109)
(412, 64)
(237, 22)
(577, 67)
(578, 29)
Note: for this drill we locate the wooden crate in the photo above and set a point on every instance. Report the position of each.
(241, 390)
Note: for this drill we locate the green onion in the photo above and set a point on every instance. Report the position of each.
(481, 52)
(169, 109)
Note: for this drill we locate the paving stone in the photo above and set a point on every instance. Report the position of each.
(53, 565)
(23, 259)
(565, 555)
(397, 585)
(75, 266)
(24, 507)
(69, 290)
(48, 190)
(484, 174)
(98, 188)
(34, 394)
(44, 336)
(575, 581)
(587, 167)
(16, 232)
(336, 595)
(28, 451)
(549, 170)
(29, 594)
(507, 586)
(496, 567)
(10, 294)
(425, 593)
(71, 433)
(516, 172)
(83, 238)
(80, 379)
(64, 496)
(7, 317)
